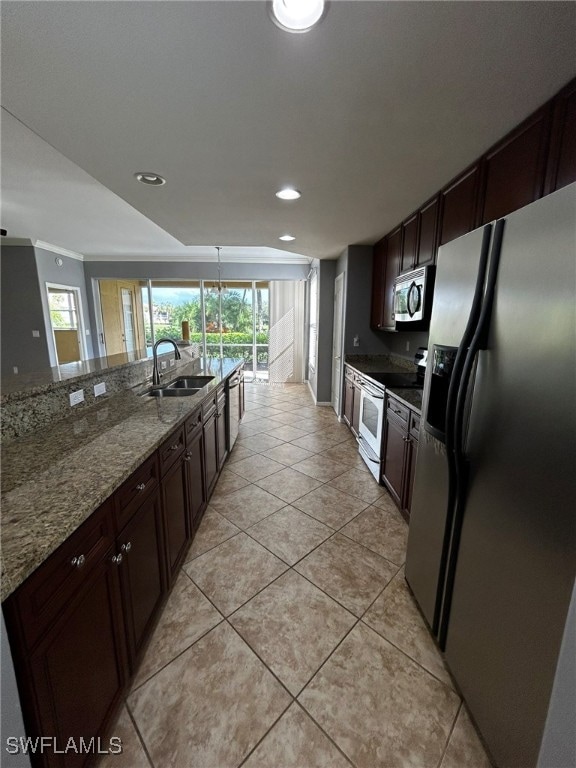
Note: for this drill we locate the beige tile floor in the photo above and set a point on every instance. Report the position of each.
(290, 639)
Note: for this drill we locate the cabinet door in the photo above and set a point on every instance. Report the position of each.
(428, 231)
(561, 168)
(378, 277)
(514, 168)
(196, 482)
(393, 259)
(356, 410)
(348, 401)
(459, 205)
(393, 459)
(211, 452)
(78, 669)
(409, 243)
(141, 544)
(221, 425)
(177, 530)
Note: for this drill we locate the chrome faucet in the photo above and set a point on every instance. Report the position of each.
(155, 373)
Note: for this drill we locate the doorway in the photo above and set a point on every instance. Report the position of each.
(122, 317)
(65, 307)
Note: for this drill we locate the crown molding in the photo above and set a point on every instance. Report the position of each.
(201, 258)
(57, 249)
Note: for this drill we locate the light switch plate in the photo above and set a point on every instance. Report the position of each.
(36, 334)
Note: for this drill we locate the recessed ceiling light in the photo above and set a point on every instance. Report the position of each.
(296, 15)
(286, 238)
(288, 193)
(150, 178)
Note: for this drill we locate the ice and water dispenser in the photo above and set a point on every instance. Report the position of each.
(442, 364)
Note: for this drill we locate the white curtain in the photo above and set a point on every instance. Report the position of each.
(286, 346)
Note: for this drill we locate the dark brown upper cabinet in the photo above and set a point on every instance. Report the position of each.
(459, 206)
(561, 168)
(514, 168)
(378, 269)
(409, 243)
(427, 239)
(393, 261)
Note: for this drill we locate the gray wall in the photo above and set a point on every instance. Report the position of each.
(356, 261)
(323, 382)
(21, 312)
(70, 274)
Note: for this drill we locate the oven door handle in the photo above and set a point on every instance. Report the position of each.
(360, 440)
(372, 393)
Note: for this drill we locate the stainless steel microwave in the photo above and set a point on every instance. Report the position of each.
(413, 296)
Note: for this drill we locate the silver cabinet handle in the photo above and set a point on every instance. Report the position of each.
(187, 457)
(140, 486)
(117, 559)
(174, 447)
(78, 562)
(126, 547)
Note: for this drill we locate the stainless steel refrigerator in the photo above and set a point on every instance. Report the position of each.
(492, 540)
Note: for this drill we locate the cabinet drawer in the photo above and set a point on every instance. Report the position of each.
(397, 411)
(49, 589)
(414, 424)
(133, 492)
(208, 408)
(193, 423)
(171, 450)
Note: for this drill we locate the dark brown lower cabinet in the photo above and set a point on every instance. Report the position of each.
(195, 471)
(210, 426)
(352, 394)
(400, 447)
(79, 624)
(72, 677)
(142, 578)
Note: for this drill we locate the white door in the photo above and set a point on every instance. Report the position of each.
(337, 342)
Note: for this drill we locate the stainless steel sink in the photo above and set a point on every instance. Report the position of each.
(181, 392)
(189, 382)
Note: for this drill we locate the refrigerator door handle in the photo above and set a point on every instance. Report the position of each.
(479, 342)
(455, 382)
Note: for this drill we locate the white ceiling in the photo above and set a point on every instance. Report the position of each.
(368, 114)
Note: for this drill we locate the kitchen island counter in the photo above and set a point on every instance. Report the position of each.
(55, 478)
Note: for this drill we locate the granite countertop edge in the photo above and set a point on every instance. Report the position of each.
(410, 397)
(54, 479)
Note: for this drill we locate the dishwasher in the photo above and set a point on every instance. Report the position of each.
(233, 410)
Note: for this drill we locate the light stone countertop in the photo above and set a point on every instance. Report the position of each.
(55, 478)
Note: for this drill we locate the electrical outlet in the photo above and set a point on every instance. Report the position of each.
(163, 365)
(356, 340)
(99, 389)
(172, 362)
(36, 334)
(15, 369)
(407, 346)
(77, 397)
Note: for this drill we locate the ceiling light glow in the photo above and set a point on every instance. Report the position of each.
(297, 15)
(288, 193)
(286, 238)
(153, 179)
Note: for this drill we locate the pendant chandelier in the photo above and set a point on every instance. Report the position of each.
(219, 288)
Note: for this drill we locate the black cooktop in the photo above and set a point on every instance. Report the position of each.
(401, 380)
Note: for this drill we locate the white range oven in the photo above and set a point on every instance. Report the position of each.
(371, 424)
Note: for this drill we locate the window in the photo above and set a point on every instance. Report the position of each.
(313, 322)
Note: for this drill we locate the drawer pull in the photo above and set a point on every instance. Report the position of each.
(126, 547)
(187, 457)
(141, 486)
(397, 411)
(175, 447)
(78, 562)
(117, 559)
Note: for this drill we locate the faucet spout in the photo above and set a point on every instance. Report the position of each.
(155, 372)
